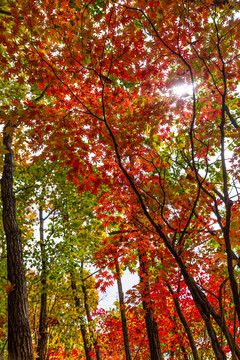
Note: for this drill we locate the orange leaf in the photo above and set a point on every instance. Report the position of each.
(8, 288)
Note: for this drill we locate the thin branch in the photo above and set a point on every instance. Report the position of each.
(233, 121)
(4, 12)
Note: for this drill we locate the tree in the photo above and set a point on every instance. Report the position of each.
(68, 236)
(19, 334)
(110, 71)
(123, 313)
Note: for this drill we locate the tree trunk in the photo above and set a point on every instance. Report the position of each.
(87, 347)
(185, 324)
(35, 328)
(205, 309)
(42, 341)
(150, 321)
(19, 334)
(95, 343)
(123, 314)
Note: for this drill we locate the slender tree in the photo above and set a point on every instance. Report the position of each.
(19, 334)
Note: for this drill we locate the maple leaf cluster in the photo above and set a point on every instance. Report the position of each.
(124, 122)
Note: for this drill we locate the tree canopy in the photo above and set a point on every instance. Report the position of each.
(120, 148)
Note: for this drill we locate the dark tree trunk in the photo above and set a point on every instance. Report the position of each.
(19, 334)
(205, 309)
(42, 341)
(150, 321)
(184, 352)
(185, 324)
(87, 346)
(35, 328)
(86, 306)
(123, 314)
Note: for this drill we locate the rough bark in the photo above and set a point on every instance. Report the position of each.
(123, 315)
(42, 340)
(19, 334)
(150, 321)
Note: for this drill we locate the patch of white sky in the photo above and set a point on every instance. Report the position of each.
(107, 299)
(182, 90)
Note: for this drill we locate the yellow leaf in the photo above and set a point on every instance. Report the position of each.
(3, 150)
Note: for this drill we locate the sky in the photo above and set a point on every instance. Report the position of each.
(107, 299)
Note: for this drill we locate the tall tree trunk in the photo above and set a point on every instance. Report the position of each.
(35, 327)
(123, 314)
(19, 334)
(87, 347)
(42, 341)
(185, 324)
(86, 306)
(150, 321)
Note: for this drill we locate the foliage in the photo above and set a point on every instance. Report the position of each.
(128, 167)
